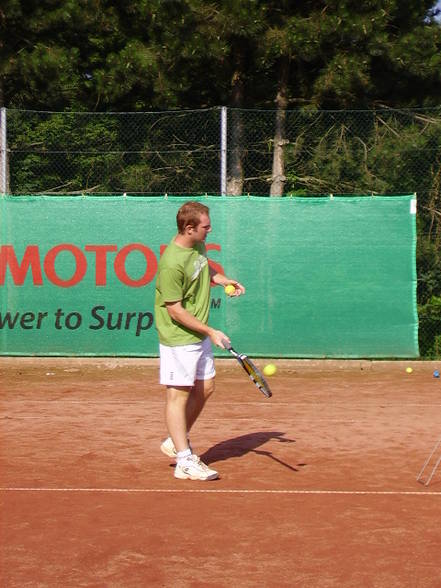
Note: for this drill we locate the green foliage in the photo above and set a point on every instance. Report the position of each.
(128, 56)
(60, 156)
(429, 316)
(101, 153)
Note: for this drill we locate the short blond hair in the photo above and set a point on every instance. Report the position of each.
(190, 215)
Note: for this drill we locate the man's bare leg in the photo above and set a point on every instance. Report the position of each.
(188, 466)
(175, 415)
(199, 395)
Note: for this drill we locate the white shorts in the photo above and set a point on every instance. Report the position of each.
(184, 364)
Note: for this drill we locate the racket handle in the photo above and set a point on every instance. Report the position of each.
(226, 344)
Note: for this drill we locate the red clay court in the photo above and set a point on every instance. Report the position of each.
(318, 484)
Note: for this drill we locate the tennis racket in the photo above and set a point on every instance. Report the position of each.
(252, 371)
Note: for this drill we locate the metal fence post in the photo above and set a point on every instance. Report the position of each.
(223, 182)
(3, 153)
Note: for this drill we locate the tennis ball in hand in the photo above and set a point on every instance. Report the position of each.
(230, 289)
(270, 369)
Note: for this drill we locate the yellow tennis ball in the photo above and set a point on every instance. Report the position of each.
(230, 289)
(409, 370)
(270, 369)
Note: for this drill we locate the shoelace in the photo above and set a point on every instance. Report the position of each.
(203, 465)
(197, 460)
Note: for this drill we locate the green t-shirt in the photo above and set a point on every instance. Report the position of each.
(183, 275)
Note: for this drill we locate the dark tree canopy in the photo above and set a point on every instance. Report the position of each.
(109, 55)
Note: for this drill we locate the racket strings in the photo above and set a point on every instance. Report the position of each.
(255, 374)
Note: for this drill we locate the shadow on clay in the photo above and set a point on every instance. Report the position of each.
(250, 443)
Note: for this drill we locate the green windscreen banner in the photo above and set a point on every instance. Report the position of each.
(324, 276)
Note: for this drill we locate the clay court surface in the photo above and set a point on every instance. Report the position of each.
(318, 484)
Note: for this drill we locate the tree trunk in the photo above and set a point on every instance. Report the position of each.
(278, 175)
(235, 167)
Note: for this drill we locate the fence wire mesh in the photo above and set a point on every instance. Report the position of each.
(148, 153)
(265, 152)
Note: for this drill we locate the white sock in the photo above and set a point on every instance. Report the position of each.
(183, 454)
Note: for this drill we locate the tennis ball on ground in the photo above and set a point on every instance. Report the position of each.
(270, 369)
(409, 370)
(230, 289)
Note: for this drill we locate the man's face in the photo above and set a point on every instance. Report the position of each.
(200, 232)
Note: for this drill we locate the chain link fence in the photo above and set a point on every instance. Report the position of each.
(138, 153)
(234, 151)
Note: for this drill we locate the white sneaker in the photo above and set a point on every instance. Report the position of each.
(194, 469)
(168, 448)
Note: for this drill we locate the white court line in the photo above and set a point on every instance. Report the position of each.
(79, 418)
(225, 491)
(263, 402)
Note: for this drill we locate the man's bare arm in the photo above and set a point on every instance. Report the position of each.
(180, 315)
(222, 280)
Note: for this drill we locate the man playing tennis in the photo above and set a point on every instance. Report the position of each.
(182, 305)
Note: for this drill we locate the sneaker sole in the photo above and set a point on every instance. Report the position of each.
(182, 476)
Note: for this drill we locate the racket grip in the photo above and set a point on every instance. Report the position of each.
(226, 344)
